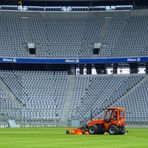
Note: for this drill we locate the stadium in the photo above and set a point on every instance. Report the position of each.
(63, 63)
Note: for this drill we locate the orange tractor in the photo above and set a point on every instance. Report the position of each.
(113, 123)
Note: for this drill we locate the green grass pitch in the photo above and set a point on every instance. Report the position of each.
(56, 138)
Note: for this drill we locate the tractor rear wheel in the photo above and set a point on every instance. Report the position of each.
(96, 129)
(113, 130)
(93, 129)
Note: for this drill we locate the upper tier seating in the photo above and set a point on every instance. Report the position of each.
(72, 35)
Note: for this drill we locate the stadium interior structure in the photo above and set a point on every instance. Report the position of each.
(66, 65)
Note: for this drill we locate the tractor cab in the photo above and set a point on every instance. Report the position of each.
(115, 117)
(114, 114)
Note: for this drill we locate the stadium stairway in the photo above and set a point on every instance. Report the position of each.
(130, 91)
(28, 36)
(115, 104)
(5, 88)
(102, 35)
(104, 29)
(27, 30)
(68, 99)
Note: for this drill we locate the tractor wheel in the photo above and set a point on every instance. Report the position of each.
(113, 130)
(122, 130)
(93, 129)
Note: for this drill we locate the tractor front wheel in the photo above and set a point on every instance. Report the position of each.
(113, 130)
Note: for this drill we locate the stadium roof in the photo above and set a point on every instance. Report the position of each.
(68, 2)
(81, 0)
